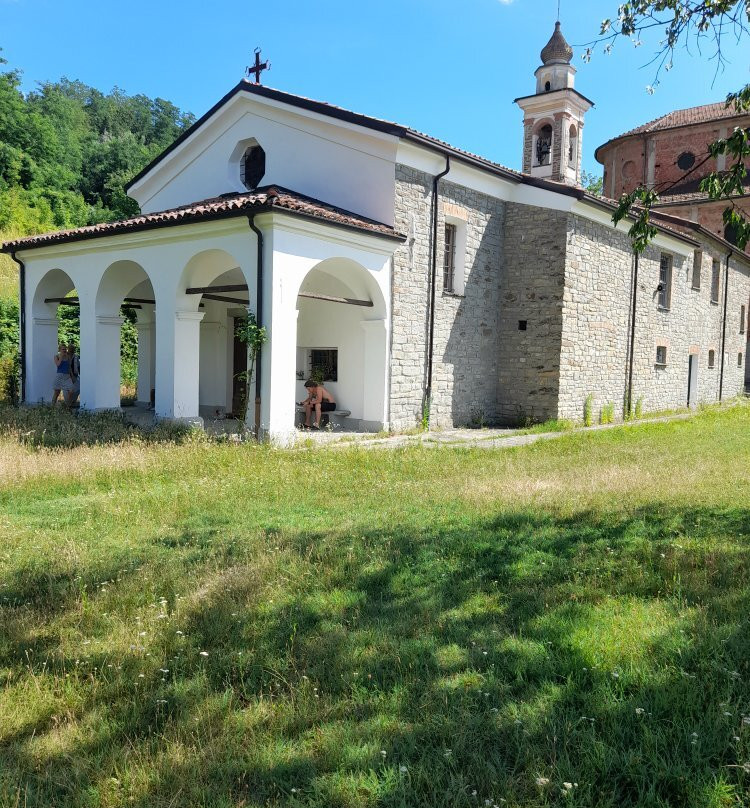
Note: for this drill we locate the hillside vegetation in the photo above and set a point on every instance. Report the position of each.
(66, 152)
(190, 624)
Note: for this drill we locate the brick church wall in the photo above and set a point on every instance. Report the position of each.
(466, 349)
(531, 292)
(596, 325)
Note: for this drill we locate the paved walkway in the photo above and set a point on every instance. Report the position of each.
(465, 438)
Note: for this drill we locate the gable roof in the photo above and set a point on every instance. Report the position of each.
(707, 113)
(331, 111)
(226, 206)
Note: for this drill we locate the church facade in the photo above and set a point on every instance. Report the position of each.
(417, 280)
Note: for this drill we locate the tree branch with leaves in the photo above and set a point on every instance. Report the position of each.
(684, 24)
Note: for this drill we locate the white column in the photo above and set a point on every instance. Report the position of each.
(375, 358)
(107, 366)
(177, 365)
(146, 351)
(279, 360)
(40, 365)
(88, 352)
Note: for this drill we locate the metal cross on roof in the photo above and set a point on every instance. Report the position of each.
(258, 67)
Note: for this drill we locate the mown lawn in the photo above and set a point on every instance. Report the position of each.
(192, 624)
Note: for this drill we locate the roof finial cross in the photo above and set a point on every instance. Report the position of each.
(558, 10)
(258, 67)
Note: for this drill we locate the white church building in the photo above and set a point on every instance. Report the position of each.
(417, 278)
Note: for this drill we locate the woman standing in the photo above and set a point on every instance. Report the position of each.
(63, 377)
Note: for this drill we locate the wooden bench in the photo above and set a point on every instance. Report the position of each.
(324, 419)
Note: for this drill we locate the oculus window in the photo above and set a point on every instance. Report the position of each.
(252, 167)
(686, 161)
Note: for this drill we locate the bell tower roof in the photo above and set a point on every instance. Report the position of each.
(557, 50)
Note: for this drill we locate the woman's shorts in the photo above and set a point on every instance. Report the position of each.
(63, 382)
(327, 406)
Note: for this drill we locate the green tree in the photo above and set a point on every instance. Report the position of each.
(680, 24)
(593, 183)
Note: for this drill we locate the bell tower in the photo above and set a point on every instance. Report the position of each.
(553, 116)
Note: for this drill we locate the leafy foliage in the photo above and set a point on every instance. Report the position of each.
(683, 23)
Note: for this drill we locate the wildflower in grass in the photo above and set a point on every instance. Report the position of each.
(542, 782)
(179, 633)
(746, 719)
(639, 711)
(204, 653)
(383, 753)
(402, 769)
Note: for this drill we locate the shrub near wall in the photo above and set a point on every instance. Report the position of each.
(8, 350)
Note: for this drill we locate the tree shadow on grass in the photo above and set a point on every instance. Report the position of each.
(487, 659)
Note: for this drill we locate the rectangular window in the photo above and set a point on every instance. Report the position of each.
(661, 355)
(712, 359)
(697, 263)
(742, 319)
(665, 281)
(449, 260)
(323, 364)
(715, 280)
(739, 360)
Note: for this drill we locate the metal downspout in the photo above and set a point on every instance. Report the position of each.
(632, 337)
(22, 323)
(258, 315)
(433, 273)
(724, 326)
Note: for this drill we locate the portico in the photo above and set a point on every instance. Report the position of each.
(185, 340)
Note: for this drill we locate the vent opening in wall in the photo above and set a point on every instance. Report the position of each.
(522, 325)
(711, 358)
(252, 167)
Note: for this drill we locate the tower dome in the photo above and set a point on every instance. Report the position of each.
(557, 50)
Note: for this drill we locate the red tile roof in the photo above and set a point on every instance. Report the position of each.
(681, 117)
(225, 206)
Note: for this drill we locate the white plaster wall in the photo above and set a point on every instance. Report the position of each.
(348, 166)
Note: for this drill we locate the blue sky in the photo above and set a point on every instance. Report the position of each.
(451, 69)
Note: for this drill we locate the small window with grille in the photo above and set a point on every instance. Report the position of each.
(661, 355)
(323, 364)
(739, 360)
(742, 319)
(665, 281)
(712, 359)
(449, 259)
(253, 167)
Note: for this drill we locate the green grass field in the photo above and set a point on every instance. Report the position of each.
(185, 623)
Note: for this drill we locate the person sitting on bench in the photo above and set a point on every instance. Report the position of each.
(318, 400)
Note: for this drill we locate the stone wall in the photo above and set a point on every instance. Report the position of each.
(596, 325)
(531, 294)
(465, 357)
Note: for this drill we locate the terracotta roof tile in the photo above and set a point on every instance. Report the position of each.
(224, 206)
(681, 117)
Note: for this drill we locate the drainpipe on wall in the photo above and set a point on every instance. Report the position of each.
(724, 326)
(258, 315)
(629, 399)
(433, 273)
(22, 323)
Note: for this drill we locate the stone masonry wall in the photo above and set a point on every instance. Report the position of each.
(596, 330)
(465, 358)
(531, 293)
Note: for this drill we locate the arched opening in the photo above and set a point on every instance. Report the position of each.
(342, 340)
(543, 145)
(125, 344)
(215, 287)
(54, 319)
(572, 146)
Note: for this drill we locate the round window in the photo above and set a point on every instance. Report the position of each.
(686, 161)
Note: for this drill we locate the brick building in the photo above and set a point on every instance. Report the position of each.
(670, 155)
(419, 280)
